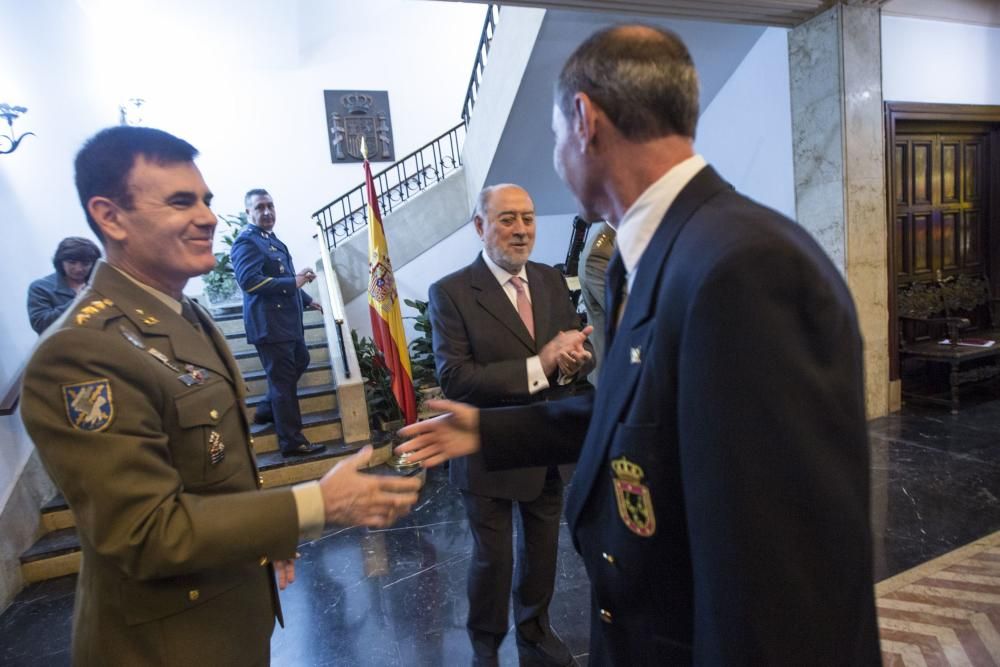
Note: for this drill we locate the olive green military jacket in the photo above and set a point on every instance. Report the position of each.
(138, 417)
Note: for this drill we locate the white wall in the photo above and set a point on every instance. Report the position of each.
(746, 131)
(939, 61)
(242, 80)
(451, 254)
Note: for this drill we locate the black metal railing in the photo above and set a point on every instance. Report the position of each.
(343, 348)
(416, 172)
(479, 66)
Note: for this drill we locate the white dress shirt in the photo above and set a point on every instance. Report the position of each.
(536, 375)
(641, 220)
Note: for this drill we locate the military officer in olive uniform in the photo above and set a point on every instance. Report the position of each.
(135, 405)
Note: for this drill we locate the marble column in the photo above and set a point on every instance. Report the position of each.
(838, 149)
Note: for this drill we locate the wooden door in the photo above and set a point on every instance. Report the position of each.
(943, 197)
(940, 191)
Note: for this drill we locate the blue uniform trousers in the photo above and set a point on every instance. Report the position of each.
(284, 364)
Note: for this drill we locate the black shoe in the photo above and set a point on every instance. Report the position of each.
(549, 651)
(305, 449)
(258, 418)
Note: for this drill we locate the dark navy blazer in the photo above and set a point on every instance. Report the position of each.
(272, 304)
(733, 388)
(48, 298)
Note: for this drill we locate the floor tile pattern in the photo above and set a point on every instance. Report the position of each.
(944, 612)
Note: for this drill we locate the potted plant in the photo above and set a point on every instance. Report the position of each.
(422, 357)
(220, 283)
(421, 347)
(384, 413)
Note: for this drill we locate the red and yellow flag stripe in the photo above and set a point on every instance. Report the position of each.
(383, 306)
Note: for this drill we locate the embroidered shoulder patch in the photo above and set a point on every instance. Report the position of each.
(89, 405)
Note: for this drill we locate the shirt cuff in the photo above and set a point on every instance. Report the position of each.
(563, 380)
(536, 376)
(309, 504)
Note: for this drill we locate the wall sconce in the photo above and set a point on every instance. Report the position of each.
(10, 113)
(130, 111)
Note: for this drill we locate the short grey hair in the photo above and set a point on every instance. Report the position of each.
(483, 200)
(253, 193)
(641, 76)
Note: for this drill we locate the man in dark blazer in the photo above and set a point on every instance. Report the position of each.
(497, 331)
(135, 404)
(721, 499)
(273, 301)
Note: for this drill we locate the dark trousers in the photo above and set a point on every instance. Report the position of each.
(492, 564)
(284, 363)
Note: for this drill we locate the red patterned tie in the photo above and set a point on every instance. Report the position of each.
(523, 305)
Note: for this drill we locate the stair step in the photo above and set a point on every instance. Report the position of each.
(314, 333)
(53, 555)
(316, 373)
(321, 398)
(56, 514)
(276, 470)
(58, 553)
(232, 323)
(248, 361)
(321, 426)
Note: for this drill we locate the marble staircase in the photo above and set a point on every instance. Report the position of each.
(57, 551)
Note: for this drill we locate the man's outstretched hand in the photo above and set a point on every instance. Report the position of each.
(434, 441)
(352, 497)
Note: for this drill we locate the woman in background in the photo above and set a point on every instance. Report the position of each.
(48, 297)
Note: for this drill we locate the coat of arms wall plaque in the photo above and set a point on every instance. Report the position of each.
(352, 114)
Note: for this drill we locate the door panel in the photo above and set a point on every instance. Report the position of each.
(939, 199)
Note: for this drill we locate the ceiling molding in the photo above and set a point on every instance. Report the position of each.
(977, 12)
(782, 13)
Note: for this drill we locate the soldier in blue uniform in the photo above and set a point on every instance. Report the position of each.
(273, 301)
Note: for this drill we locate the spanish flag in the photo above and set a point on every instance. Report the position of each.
(383, 305)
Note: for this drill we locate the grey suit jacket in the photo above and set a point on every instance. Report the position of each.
(480, 348)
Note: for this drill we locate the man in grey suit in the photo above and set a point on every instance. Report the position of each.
(498, 340)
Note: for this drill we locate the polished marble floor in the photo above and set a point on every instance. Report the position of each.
(397, 596)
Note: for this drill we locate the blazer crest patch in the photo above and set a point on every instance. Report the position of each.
(89, 405)
(635, 504)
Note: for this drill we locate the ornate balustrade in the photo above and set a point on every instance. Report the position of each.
(416, 172)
